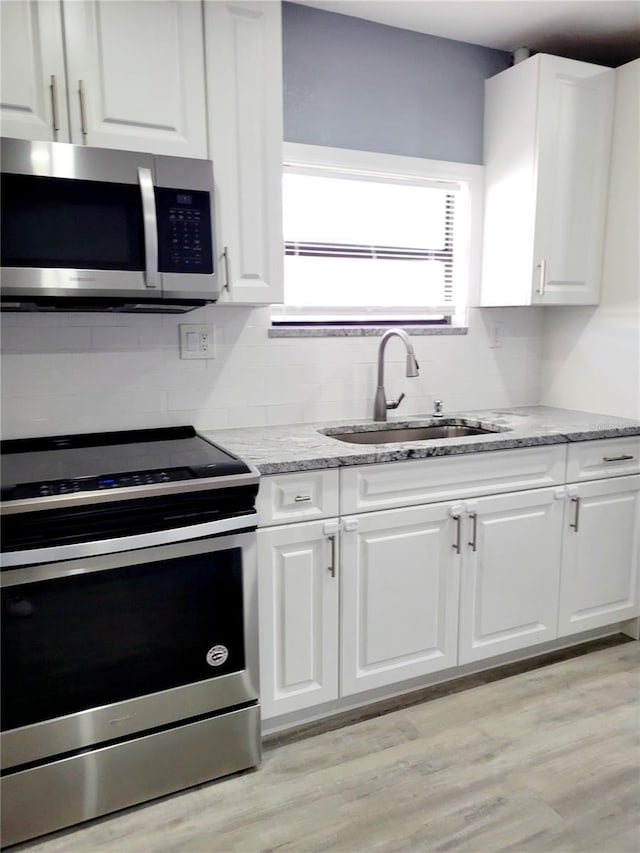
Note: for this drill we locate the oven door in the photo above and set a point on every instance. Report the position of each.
(101, 648)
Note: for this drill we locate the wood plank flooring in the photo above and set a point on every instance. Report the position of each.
(545, 760)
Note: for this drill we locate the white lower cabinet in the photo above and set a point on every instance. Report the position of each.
(367, 600)
(601, 555)
(298, 606)
(510, 572)
(400, 578)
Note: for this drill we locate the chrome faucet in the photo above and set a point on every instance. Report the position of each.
(381, 404)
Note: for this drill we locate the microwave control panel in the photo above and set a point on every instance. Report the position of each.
(184, 231)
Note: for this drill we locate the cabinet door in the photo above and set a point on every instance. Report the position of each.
(510, 573)
(298, 604)
(33, 95)
(136, 75)
(548, 127)
(244, 72)
(575, 121)
(601, 555)
(400, 576)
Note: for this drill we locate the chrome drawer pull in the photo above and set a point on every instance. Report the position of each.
(54, 105)
(456, 544)
(332, 564)
(542, 266)
(474, 536)
(301, 498)
(83, 110)
(576, 519)
(624, 458)
(225, 257)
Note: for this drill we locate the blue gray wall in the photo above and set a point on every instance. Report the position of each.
(350, 83)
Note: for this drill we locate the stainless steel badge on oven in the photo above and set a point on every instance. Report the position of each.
(217, 655)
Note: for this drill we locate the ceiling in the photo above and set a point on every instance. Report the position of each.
(602, 31)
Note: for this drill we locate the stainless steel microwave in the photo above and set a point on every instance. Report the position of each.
(98, 229)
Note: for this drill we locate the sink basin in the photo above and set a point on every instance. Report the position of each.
(388, 434)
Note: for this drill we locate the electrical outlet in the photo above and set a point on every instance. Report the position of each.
(496, 335)
(197, 340)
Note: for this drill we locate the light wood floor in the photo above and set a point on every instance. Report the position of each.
(547, 760)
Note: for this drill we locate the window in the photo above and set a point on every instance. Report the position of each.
(372, 238)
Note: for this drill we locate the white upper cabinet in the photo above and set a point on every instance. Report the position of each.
(548, 124)
(33, 102)
(134, 74)
(244, 76)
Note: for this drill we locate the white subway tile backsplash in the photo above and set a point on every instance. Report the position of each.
(82, 372)
(109, 338)
(45, 340)
(40, 414)
(248, 416)
(288, 415)
(214, 418)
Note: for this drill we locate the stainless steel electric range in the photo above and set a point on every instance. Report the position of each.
(129, 622)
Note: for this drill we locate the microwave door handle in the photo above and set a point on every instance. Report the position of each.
(150, 223)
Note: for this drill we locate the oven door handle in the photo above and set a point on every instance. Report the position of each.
(22, 560)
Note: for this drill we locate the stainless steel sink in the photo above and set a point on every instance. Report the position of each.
(386, 434)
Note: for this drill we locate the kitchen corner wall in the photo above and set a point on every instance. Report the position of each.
(347, 83)
(67, 373)
(591, 356)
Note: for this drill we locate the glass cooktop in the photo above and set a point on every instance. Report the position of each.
(40, 467)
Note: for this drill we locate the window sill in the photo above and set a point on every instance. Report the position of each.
(359, 331)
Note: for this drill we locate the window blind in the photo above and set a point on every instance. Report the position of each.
(361, 244)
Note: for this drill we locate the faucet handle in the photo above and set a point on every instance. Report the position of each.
(437, 408)
(393, 404)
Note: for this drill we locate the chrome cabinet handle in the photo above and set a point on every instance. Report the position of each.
(626, 457)
(83, 109)
(474, 531)
(150, 225)
(576, 518)
(332, 564)
(542, 266)
(456, 545)
(301, 498)
(53, 88)
(225, 258)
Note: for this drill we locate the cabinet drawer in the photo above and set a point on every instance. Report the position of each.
(606, 457)
(395, 484)
(298, 497)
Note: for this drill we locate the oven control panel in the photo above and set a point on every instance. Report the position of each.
(94, 484)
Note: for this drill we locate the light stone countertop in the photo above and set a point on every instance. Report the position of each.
(301, 447)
